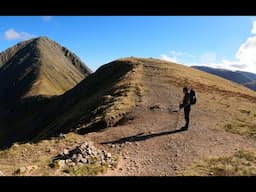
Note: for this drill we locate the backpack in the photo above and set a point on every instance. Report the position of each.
(192, 95)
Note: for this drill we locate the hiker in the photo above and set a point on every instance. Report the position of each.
(186, 105)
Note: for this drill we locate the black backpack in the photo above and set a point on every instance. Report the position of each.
(192, 95)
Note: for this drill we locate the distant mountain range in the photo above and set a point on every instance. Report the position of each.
(245, 78)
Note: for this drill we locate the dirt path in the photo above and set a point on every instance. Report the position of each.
(148, 143)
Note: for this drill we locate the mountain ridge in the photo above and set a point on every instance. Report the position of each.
(245, 78)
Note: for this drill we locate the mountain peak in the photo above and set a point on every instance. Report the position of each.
(38, 66)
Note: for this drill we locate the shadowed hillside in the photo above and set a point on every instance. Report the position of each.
(98, 101)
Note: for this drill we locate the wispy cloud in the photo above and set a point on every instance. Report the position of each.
(209, 57)
(176, 56)
(46, 18)
(11, 34)
(168, 58)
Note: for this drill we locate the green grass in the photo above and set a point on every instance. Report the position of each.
(242, 163)
(238, 120)
(242, 128)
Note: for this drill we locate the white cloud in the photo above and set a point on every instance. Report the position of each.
(11, 34)
(168, 58)
(253, 31)
(247, 52)
(173, 58)
(46, 18)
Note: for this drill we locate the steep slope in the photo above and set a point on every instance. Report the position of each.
(131, 98)
(92, 103)
(245, 78)
(38, 66)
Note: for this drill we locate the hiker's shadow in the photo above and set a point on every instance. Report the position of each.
(141, 136)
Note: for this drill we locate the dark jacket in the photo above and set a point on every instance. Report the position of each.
(186, 102)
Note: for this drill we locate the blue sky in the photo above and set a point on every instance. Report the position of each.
(223, 41)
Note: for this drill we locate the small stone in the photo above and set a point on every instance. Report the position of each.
(102, 157)
(78, 158)
(65, 152)
(72, 164)
(89, 151)
(62, 135)
(74, 156)
(15, 145)
(83, 160)
(68, 161)
(61, 163)
(66, 174)
(109, 155)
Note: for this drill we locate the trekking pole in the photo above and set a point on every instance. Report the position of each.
(178, 115)
(177, 119)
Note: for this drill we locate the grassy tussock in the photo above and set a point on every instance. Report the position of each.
(241, 163)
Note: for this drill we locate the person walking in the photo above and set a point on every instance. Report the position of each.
(186, 105)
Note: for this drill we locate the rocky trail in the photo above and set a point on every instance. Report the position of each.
(150, 145)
